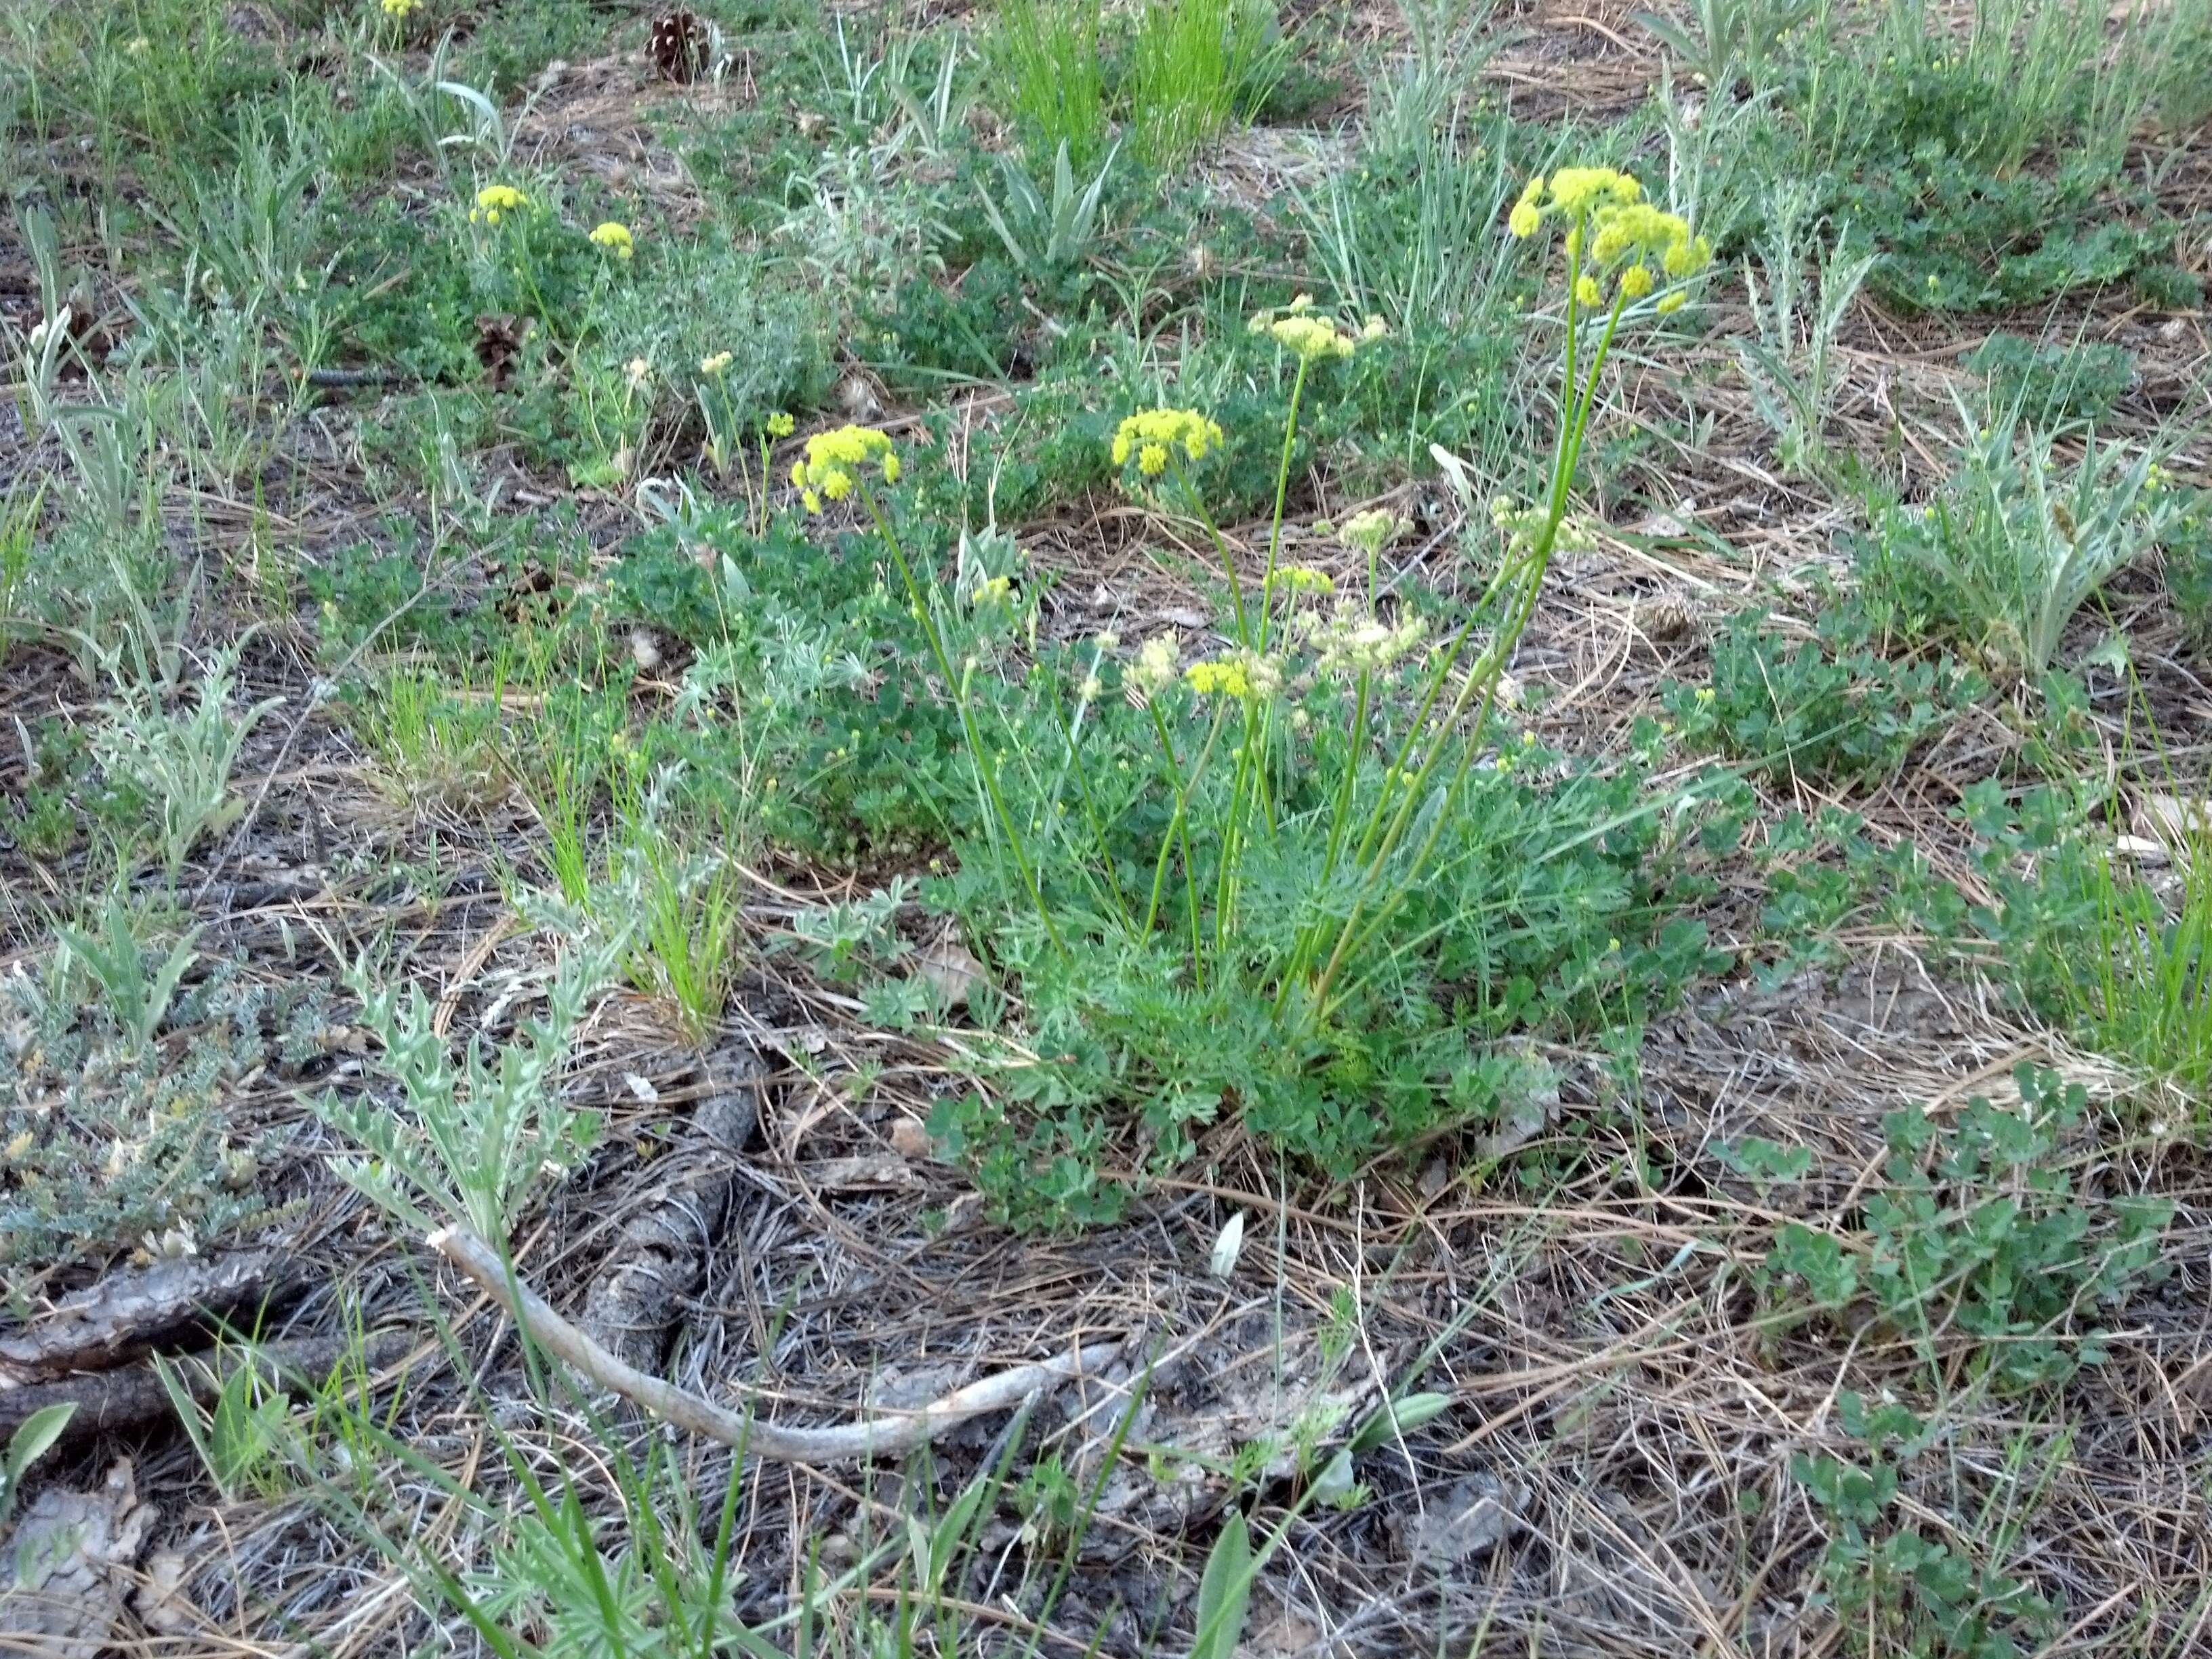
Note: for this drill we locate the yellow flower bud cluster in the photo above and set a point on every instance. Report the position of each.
(401, 9)
(1151, 434)
(493, 200)
(833, 461)
(615, 239)
(1303, 579)
(1611, 222)
(1245, 675)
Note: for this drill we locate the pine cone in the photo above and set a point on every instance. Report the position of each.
(677, 45)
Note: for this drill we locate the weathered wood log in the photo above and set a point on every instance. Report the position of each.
(135, 1309)
(125, 1398)
(659, 1255)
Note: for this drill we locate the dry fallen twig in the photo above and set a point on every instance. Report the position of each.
(886, 1435)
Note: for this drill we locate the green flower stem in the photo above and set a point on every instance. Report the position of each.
(1233, 824)
(986, 769)
(1070, 736)
(1220, 545)
(1399, 768)
(1282, 494)
(1179, 830)
(1343, 812)
(1573, 430)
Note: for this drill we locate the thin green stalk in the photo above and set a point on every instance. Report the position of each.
(1179, 827)
(1573, 431)
(1282, 494)
(1068, 735)
(1343, 812)
(1232, 832)
(1220, 546)
(985, 769)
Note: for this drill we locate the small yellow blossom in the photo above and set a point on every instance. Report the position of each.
(996, 591)
(781, 425)
(615, 239)
(1671, 302)
(1636, 281)
(400, 10)
(715, 365)
(1152, 460)
(1687, 256)
(1164, 429)
(1524, 219)
(1211, 678)
(1242, 674)
(1304, 578)
(1577, 189)
(1586, 291)
(493, 200)
(833, 462)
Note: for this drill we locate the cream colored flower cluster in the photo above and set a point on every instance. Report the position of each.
(1311, 336)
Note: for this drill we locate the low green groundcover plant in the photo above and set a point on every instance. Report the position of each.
(1830, 707)
(1979, 1240)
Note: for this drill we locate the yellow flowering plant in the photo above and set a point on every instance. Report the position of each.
(1618, 248)
(496, 202)
(1237, 832)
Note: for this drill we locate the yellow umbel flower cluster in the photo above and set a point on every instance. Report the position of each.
(1611, 222)
(400, 10)
(493, 200)
(1242, 674)
(781, 425)
(1151, 434)
(833, 461)
(1311, 336)
(615, 239)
